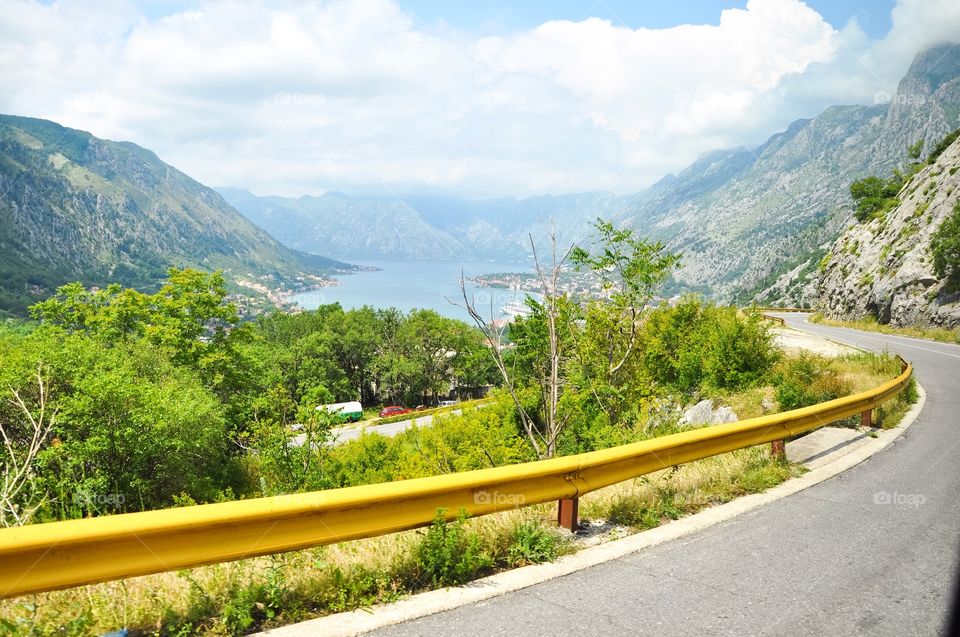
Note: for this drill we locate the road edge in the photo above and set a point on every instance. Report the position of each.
(364, 620)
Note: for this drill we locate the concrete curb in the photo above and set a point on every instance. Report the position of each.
(422, 604)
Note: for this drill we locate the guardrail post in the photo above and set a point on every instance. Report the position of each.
(866, 419)
(567, 513)
(778, 449)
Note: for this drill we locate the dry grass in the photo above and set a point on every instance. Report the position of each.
(940, 334)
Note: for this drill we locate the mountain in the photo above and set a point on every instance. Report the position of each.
(346, 227)
(421, 226)
(883, 268)
(754, 223)
(75, 207)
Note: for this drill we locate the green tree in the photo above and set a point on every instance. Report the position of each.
(131, 431)
(188, 317)
(874, 195)
(355, 341)
(630, 269)
(915, 149)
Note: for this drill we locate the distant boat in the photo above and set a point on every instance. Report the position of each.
(513, 309)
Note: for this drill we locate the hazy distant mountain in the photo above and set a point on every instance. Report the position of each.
(421, 226)
(75, 207)
(750, 222)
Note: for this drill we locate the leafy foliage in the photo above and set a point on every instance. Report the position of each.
(132, 430)
(450, 554)
(808, 380)
(874, 196)
(696, 345)
(945, 246)
(531, 543)
(942, 145)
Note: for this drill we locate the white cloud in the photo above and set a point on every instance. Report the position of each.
(294, 98)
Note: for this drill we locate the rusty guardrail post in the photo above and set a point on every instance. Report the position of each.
(778, 449)
(567, 509)
(866, 419)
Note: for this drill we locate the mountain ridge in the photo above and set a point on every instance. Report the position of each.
(77, 207)
(752, 223)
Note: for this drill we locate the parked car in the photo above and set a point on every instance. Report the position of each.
(350, 412)
(447, 403)
(394, 410)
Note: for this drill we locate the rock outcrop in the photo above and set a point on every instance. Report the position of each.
(883, 269)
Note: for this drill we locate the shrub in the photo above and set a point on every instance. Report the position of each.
(531, 543)
(449, 554)
(945, 246)
(807, 380)
(634, 511)
(762, 474)
(942, 146)
(875, 195)
(697, 345)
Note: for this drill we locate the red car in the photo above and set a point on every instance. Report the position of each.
(394, 410)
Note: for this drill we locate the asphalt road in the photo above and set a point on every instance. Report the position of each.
(343, 434)
(873, 550)
(340, 435)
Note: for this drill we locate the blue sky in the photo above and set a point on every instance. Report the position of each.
(495, 15)
(469, 98)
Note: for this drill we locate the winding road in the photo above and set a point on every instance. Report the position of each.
(873, 550)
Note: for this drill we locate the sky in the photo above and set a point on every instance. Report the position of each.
(484, 99)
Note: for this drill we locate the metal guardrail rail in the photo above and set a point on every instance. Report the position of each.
(57, 555)
(784, 309)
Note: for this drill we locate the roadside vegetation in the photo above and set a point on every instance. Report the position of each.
(870, 324)
(119, 401)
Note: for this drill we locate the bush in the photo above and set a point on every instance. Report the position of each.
(807, 380)
(449, 554)
(945, 246)
(132, 431)
(695, 345)
(477, 439)
(635, 512)
(531, 543)
(942, 146)
(875, 195)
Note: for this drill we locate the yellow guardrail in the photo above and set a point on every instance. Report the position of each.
(56, 555)
(784, 309)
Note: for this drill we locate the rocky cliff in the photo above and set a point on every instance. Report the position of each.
(883, 268)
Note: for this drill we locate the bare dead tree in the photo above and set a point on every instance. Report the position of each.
(542, 440)
(17, 471)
